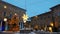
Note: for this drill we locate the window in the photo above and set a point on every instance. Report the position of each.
(4, 13)
(10, 15)
(58, 13)
(59, 22)
(41, 18)
(48, 16)
(0, 6)
(45, 17)
(21, 25)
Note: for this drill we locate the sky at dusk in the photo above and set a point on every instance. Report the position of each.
(34, 7)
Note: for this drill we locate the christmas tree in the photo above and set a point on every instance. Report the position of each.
(14, 23)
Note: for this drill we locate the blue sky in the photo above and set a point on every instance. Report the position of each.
(34, 7)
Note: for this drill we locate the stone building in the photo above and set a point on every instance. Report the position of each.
(56, 14)
(44, 20)
(8, 11)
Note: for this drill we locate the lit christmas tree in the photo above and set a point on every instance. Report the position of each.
(14, 23)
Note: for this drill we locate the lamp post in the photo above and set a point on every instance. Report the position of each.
(51, 27)
(5, 19)
(25, 18)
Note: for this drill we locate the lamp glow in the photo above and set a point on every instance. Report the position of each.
(51, 24)
(5, 6)
(15, 13)
(5, 19)
(50, 28)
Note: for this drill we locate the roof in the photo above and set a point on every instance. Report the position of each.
(42, 14)
(12, 5)
(55, 6)
(45, 13)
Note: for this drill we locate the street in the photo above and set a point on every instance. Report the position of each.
(40, 32)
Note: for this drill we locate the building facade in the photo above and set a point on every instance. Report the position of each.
(11, 12)
(48, 19)
(56, 14)
(41, 21)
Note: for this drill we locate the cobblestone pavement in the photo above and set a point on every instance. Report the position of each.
(30, 32)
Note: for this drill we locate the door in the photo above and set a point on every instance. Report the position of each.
(3, 26)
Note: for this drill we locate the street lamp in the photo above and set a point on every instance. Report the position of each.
(5, 19)
(25, 18)
(15, 13)
(51, 24)
(50, 29)
(5, 6)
